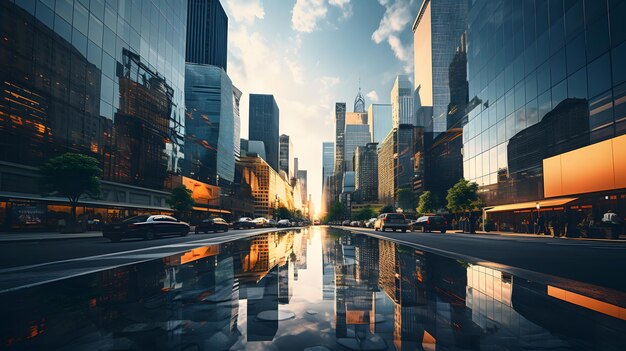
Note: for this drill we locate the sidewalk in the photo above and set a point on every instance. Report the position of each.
(19, 237)
(525, 235)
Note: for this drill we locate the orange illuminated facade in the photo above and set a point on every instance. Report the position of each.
(597, 167)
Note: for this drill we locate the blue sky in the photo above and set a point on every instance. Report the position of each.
(310, 54)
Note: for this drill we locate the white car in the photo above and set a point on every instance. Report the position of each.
(283, 223)
(261, 222)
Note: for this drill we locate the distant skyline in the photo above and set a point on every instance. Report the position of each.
(312, 53)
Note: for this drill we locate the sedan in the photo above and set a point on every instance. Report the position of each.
(212, 225)
(430, 224)
(146, 227)
(244, 223)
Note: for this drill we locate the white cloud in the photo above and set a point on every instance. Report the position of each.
(397, 18)
(344, 6)
(245, 11)
(306, 14)
(372, 95)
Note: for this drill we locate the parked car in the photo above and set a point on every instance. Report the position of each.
(430, 224)
(261, 222)
(354, 223)
(271, 223)
(393, 221)
(316, 222)
(370, 223)
(345, 223)
(144, 226)
(283, 223)
(212, 225)
(244, 223)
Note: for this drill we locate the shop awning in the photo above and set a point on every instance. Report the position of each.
(532, 205)
(212, 210)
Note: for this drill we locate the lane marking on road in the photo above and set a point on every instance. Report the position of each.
(231, 237)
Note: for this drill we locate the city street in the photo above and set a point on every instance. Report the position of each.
(28, 263)
(594, 262)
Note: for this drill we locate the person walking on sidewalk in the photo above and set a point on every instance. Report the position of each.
(540, 224)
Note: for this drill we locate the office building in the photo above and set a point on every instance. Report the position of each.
(548, 133)
(386, 179)
(436, 31)
(263, 125)
(409, 143)
(366, 172)
(207, 33)
(286, 156)
(252, 148)
(209, 125)
(359, 103)
(402, 102)
(328, 156)
(236, 120)
(340, 128)
(302, 179)
(380, 121)
(72, 81)
(356, 135)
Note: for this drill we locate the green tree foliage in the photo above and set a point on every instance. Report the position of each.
(180, 200)
(284, 213)
(336, 212)
(364, 214)
(71, 175)
(387, 209)
(463, 196)
(406, 199)
(427, 203)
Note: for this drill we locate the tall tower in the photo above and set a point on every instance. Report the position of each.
(207, 33)
(263, 125)
(402, 102)
(340, 128)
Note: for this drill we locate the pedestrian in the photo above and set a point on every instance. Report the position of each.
(611, 219)
(540, 224)
(554, 223)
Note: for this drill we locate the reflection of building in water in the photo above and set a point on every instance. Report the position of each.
(329, 256)
(262, 297)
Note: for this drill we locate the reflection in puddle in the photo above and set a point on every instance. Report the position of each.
(316, 289)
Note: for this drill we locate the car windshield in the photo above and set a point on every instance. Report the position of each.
(395, 216)
(135, 219)
(437, 219)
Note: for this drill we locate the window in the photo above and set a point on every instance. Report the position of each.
(577, 84)
(619, 64)
(600, 72)
(544, 104)
(597, 38)
(557, 67)
(576, 54)
(618, 23)
(559, 93)
(531, 86)
(601, 111)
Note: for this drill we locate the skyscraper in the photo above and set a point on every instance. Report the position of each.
(380, 121)
(263, 125)
(207, 33)
(237, 121)
(340, 128)
(359, 102)
(402, 102)
(302, 178)
(286, 155)
(437, 30)
(328, 155)
(356, 135)
(386, 188)
(209, 124)
(366, 172)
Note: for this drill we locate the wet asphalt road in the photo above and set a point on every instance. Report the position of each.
(595, 262)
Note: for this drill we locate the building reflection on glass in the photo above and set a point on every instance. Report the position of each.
(384, 296)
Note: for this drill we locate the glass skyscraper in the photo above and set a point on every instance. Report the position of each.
(286, 156)
(207, 33)
(356, 135)
(102, 79)
(210, 122)
(379, 117)
(263, 125)
(402, 102)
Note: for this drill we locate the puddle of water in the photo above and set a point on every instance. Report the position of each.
(316, 289)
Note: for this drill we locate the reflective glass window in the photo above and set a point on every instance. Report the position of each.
(64, 8)
(619, 108)
(573, 17)
(595, 9)
(520, 98)
(509, 102)
(509, 77)
(108, 41)
(45, 14)
(601, 111)
(63, 28)
(501, 126)
(619, 64)
(79, 41)
(576, 54)
(520, 120)
(108, 65)
(618, 24)
(97, 8)
(557, 35)
(94, 54)
(502, 156)
(597, 38)
(577, 84)
(557, 67)
(544, 104)
(500, 110)
(510, 126)
(543, 78)
(110, 18)
(493, 136)
(500, 84)
(532, 116)
(95, 30)
(518, 65)
(600, 73)
(559, 93)
(531, 86)
(28, 5)
(543, 47)
(81, 18)
(493, 117)
(493, 160)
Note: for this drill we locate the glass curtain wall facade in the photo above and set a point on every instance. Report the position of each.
(550, 78)
(102, 79)
(263, 125)
(379, 117)
(207, 33)
(402, 102)
(356, 135)
(386, 187)
(366, 172)
(286, 156)
(210, 124)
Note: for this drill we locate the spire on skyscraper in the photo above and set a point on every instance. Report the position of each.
(359, 101)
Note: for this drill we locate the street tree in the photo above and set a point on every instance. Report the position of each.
(364, 214)
(284, 213)
(406, 199)
(180, 200)
(71, 175)
(463, 196)
(336, 212)
(427, 203)
(387, 209)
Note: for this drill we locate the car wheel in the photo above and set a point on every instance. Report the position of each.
(115, 238)
(394, 229)
(149, 235)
